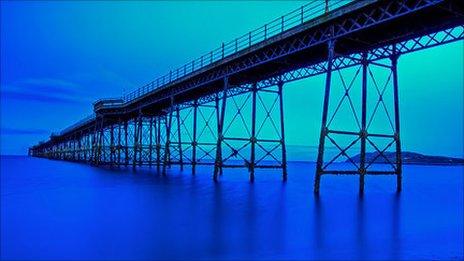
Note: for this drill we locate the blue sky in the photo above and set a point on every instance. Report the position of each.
(58, 57)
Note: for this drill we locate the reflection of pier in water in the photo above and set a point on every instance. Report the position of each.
(225, 109)
(330, 222)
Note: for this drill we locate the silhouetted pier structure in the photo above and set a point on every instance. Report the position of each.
(184, 117)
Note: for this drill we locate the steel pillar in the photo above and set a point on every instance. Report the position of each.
(218, 162)
(399, 159)
(194, 137)
(93, 146)
(362, 163)
(150, 148)
(253, 141)
(112, 146)
(126, 145)
(79, 146)
(74, 152)
(134, 145)
(137, 139)
(179, 139)
(218, 122)
(200, 129)
(88, 145)
(253, 147)
(158, 142)
(141, 143)
(367, 135)
(282, 130)
(100, 143)
(168, 123)
(119, 142)
(328, 79)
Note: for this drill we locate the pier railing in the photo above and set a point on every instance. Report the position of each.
(313, 10)
(307, 12)
(82, 122)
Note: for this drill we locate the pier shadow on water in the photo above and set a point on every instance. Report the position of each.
(61, 210)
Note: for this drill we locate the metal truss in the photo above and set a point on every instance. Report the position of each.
(413, 44)
(147, 140)
(240, 136)
(383, 12)
(379, 141)
(346, 61)
(361, 88)
(196, 132)
(135, 142)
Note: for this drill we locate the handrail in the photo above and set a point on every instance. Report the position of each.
(303, 14)
(82, 122)
(277, 26)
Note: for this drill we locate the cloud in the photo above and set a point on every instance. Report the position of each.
(104, 82)
(56, 86)
(13, 131)
(17, 95)
(46, 90)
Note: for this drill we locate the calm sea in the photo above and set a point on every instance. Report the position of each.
(60, 210)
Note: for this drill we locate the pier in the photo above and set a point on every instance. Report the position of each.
(184, 117)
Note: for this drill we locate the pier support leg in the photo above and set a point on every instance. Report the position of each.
(86, 147)
(253, 133)
(282, 131)
(136, 141)
(218, 161)
(79, 147)
(320, 154)
(140, 136)
(100, 142)
(150, 147)
(93, 145)
(218, 117)
(194, 137)
(126, 145)
(158, 142)
(112, 147)
(119, 142)
(168, 123)
(179, 139)
(399, 161)
(363, 134)
(375, 132)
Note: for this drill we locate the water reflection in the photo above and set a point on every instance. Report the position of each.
(396, 226)
(358, 227)
(245, 221)
(73, 211)
(360, 221)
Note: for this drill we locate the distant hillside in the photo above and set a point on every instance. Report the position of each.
(412, 158)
